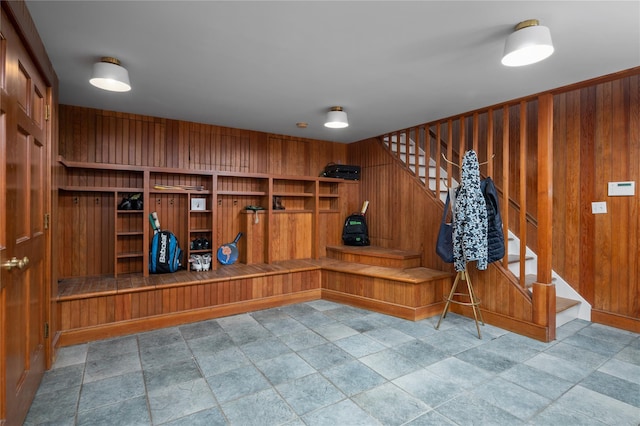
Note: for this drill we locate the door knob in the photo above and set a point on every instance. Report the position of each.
(16, 263)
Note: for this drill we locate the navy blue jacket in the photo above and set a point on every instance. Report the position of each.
(495, 237)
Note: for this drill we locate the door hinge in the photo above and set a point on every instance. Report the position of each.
(46, 330)
(47, 113)
(46, 221)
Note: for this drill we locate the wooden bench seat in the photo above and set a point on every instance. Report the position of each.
(91, 308)
(101, 307)
(86, 287)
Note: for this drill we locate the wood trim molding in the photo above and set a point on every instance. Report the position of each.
(533, 331)
(614, 320)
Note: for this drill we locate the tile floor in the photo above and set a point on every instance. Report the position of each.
(322, 363)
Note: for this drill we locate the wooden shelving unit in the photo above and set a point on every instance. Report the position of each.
(310, 204)
(129, 239)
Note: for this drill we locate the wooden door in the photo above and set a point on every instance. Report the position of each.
(23, 163)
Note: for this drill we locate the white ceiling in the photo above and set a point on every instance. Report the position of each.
(265, 65)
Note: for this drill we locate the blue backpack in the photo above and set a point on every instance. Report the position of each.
(165, 255)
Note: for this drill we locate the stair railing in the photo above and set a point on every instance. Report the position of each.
(515, 143)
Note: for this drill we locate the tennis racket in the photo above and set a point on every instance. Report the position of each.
(228, 253)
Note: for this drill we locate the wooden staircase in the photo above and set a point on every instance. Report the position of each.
(569, 304)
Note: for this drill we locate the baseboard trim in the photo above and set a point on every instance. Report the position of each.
(400, 311)
(616, 320)
(528, 329)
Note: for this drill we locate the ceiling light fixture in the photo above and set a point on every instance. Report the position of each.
(108, 74)
(336, 118)
(528, 44)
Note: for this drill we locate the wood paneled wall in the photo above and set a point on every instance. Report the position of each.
(91, 135)
(596, 138)
(596, 141)
(97, 136)
(400, 215)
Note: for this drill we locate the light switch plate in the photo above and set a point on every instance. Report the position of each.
(599, 207)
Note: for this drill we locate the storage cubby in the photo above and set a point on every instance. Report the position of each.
(194, 205)
(250, 185)
(200, 238)
(255, 232)
(129, 237)
(229, 221)
(328, 197)
(295, 195)
(86, 246)
(180, 182)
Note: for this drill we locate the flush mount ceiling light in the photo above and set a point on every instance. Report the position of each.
(108, 74)
(336, 118)
(528, 44)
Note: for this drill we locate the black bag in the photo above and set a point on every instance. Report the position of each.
(166, 254)
(444, 244)
(343, 171)
(355, 231)
(131, 202)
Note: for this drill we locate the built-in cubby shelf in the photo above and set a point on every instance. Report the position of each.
(302, 229)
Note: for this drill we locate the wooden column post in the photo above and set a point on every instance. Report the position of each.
(544, 294)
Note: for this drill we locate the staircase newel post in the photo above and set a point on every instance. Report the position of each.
(544, 293)
(544, 308)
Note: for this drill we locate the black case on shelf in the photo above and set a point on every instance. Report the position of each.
(343, 171)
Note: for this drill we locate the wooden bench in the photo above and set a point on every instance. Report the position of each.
(92, 308)
(412, 293)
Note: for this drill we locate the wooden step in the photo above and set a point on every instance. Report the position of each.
(562, 304)
(514, 258)
(406, 275)
(529, 279)
(376, 256)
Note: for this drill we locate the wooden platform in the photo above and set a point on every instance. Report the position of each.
(92, 308)
(377, 256)
(87, 287)
(412, 293)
